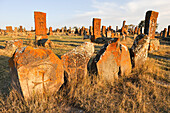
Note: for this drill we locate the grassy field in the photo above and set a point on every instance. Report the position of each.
(146, 89)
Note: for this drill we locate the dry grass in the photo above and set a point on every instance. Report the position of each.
(146, 89)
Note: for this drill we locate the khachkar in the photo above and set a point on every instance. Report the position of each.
(96, 29)
(150, 23)
(40, 26)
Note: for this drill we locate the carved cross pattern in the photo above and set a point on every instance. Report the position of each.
(37, 83)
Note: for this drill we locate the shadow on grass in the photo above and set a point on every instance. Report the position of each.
(67, 41)
(5, 80)
(150, 55)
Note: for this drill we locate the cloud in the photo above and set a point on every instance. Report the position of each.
(133, 11)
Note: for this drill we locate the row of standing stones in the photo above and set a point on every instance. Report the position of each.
(40, 70)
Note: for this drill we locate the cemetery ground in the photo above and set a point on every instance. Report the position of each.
(146, 89)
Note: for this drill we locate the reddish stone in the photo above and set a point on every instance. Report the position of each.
(124, 23)
(15, 29)
(109, 34)
(14, 44)
(165, 33)
(96, 29)
(75, 62)
(136, 30)
(9, 29)
(139, 31)
(112, 35)
(111, 60)
(154, 45)
(36, 70)
(50, 31)
(40, 25)
(20, 29)
(150, 23)
(139, 49)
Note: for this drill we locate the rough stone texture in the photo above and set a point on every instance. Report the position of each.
(113, 59)
(12, 45)
(139, 49)
(154, 45)
(40, 25)
(46, 43)
(150, 23)
(36, 70)
(75, 62)
(96, 29)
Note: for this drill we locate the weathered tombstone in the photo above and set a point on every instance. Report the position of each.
(124, 23)
(40, 26)
(139, 49)
(24, 30)
(150, 23)
(165, 33)
(139, 31)
(110, 27)
(104, 31)
(75, 61)
(154, 45)
(91, 30)
(112, 35)
(8, 28)
(111, 60)
(36, 70)
(96, 29)
(20, 29)
(15, 29)
(136, 30)
(117, 28)
(50, 31)
(168, 34)
(109, 34)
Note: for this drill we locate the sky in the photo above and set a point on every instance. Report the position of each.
(80, 13)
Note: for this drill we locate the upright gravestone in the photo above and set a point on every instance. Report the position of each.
(40, 26)
(104, 31)
(8, 28)
(168, 34)
(139, 31)
(50, 31)
(91, 30)
(150, 23)
(116, 28)
(15, 29)
(136, 30)
(165, 33)
(96, 29)
(20, 29)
